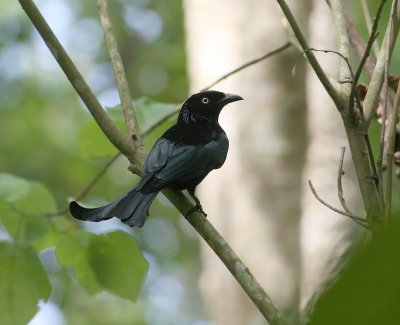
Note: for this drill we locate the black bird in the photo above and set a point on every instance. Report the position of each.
(180, 159)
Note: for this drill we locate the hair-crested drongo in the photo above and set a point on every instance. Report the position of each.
(180, 159)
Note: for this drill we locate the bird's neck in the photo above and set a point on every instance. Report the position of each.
(188, 118)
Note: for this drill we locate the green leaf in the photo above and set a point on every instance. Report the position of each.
(24, 219)
(148, 112)
(368, 290)
(93, 142)
(38, 200)
(12, 188)
(23, 281)
(118, 264)
(72, 252)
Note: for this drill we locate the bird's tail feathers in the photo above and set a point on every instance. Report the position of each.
(132, 209)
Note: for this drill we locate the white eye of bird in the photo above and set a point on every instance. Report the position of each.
(205, 100)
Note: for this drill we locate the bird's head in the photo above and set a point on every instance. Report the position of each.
(205, 106)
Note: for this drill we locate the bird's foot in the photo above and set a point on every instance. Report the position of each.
(196, 208)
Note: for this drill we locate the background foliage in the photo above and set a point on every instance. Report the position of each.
(50, 149)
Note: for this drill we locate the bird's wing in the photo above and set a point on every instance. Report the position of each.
(188, 162)
(157, 158)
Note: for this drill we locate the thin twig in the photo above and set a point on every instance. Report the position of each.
(88, 187)
(368, 22)
(120, 78)
(361, 221)
(326, 51)
(252, 62)
(116, 136)
(339, 182)
(330, 89)
(377, 79)
(359, 46)
(372, 38)
(227, 75)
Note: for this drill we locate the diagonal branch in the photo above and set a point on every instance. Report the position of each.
(371, 40)
(120, 78)
(361, 221)
(197, 220)
(340, 104)
(116, 136)
(250, 63)
(376, 83)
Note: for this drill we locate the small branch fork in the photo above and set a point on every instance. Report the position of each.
(347, 211)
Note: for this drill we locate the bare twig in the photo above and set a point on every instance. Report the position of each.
(330, 89)
(339, 182)
(250, 63)
(368, 21)
(360, 221)
(120, 78)
(88, 187)
(116, 136)
(377, 79)
(223, 77)
(359, 46)
(372, 38)
(326, 51)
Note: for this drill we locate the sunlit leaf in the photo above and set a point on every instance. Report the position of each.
(368, 290)
(12, 188)
(93, 142)
(23, 281)
(118, 264)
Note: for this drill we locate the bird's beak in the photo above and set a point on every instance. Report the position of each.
(229, 98)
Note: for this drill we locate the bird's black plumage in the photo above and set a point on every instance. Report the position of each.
(180, 159)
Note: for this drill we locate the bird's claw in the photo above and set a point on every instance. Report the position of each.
(196, 208)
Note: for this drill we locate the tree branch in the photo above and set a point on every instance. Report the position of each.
(238, 269)
(375, 85)
(360, 221)
(116, 136)
(371, 40)
(122, 83)
(354, 127)
(368, 22)
(339, 182)
(198, 221)
(340, 104)
(342, 41)
(250, 63)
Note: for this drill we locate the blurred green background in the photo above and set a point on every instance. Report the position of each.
(41, 119)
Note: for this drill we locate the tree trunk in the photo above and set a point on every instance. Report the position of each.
(254, 199)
